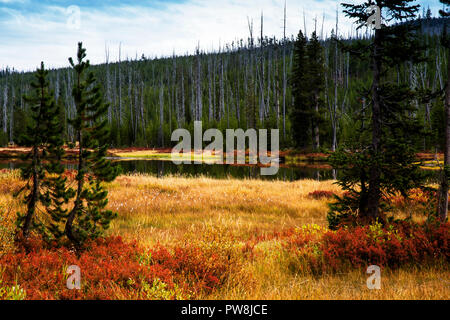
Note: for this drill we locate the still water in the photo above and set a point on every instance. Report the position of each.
(218, 171)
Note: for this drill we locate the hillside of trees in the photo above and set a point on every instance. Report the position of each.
(247, 83)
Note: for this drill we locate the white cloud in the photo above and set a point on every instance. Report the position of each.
(12, 1)
(178, 27)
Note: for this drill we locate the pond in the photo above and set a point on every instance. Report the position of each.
(223, 171)
(161, 168)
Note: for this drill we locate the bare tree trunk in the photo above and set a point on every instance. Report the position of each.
(183, 101)
(284, 73)
(276, 88)
(5, 108)
(334, 124)
(262, 106)
(161, 114)
(169, 98)
(120, 88)
(136, 107)
(108, 85)
(142, 111)
(57, 88)
(316, 126)
(214, 87)
(174, 88)
(11, 116)
(238, 111)
(130, 97)
(210, 113)
(31, 205)
(222, 92)
(269, 65)
(193, 100)
(443, 197)
(199, 111)
(114, 94)
(374, 193)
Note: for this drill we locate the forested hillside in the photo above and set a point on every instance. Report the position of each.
(247, 83)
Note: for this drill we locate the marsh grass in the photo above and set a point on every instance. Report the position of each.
(222, 216)
(170, 209)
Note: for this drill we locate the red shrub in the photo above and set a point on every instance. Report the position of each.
(110, 269)
(391, 246)
(404, 244)
(319, 194)
(198, 269)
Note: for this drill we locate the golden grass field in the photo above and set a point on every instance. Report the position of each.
(226, 213)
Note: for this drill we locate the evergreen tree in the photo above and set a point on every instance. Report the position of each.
(385, 164)
(315, 80)
(58, 194)
(429, 14)
(301, 116)
(443, 194)
(43, 135)
(308, 82)
(88, 217)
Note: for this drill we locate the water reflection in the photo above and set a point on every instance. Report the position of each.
(221, 171)
(218, 171)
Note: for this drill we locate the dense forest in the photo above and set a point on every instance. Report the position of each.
(248, 83)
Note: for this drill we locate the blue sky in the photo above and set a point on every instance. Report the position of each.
(36, 30)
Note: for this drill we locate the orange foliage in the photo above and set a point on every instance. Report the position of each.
(112, 269)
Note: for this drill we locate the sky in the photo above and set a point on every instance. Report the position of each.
(32, 31)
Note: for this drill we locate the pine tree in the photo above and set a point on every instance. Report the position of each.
(443, 194)
(315, 81)
(58, 194)
(301, 116)
(88, 217)
(385, 164)
(307, 87)
(44, 138)
(429, 14)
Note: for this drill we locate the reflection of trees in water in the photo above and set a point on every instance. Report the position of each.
(160, 171)
(163, 168)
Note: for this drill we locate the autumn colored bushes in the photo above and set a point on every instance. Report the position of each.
(400, 244)
(321, 194)
(113, 269)
(395, 245)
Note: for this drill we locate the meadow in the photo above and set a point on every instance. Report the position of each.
(202, 238)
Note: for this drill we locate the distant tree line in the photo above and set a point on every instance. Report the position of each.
(246, 84)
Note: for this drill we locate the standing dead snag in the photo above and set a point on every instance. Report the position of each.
(443, 196)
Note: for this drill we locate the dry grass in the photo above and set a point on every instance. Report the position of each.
(275, 283)
(225, 214)
(168, 210)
